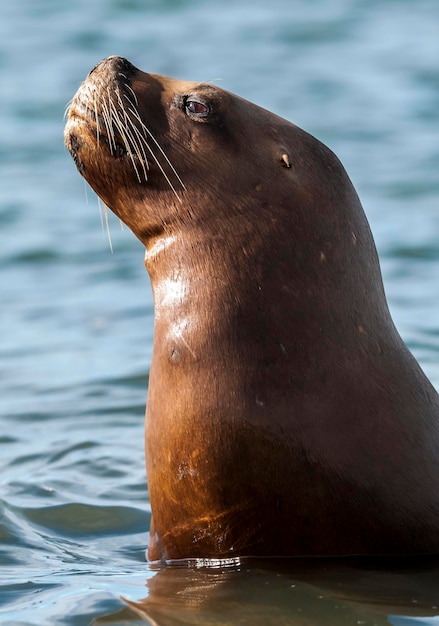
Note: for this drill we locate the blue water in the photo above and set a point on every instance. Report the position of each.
(76, 319)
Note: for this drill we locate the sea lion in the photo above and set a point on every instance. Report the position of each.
(285, 415)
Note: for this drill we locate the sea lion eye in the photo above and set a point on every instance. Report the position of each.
(197, 107)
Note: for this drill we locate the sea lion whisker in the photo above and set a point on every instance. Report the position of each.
(86, 192)
(106, 116)
(148, 132)
(121, 128)
(138, 147)
(103, 210)
(95, 106)
(134, 95)
(133, 110)
(138, 138)
(100, 204)
(108, 227)
(108, 125)
(111, 118)
(209, 82)
(67, 109)
(155, 159)
(130, 102)
(140, 150)
(131, 145)
(159, 165)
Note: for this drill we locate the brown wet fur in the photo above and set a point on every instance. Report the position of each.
(285, 415)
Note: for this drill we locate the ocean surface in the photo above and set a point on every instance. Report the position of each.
(77, 318)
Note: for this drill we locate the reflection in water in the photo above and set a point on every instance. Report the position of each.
(296, 592)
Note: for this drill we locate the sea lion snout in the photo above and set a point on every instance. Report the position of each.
(114, 65)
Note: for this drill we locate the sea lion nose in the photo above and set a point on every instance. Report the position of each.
(114, 65)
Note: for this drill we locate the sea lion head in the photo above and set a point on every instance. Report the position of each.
(163, 154)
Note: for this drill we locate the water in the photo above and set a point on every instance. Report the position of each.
(76, 319)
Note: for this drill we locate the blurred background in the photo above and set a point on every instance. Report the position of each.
(76, 318)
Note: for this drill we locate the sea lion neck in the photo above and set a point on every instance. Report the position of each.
(180, 257)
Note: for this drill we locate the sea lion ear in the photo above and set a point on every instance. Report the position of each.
(285, 160)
